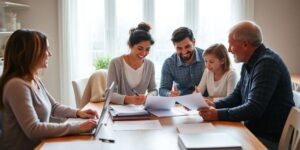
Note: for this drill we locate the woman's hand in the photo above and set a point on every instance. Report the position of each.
(210, 101)
(88, 113)
(136, 100)
(87, 125)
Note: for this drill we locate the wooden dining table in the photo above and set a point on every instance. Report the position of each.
(165, 138)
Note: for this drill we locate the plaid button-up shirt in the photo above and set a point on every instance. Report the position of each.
(262, 98)
(185, 76)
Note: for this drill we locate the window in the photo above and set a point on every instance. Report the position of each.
(102, 28)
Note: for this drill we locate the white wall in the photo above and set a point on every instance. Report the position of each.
(279, 19)
(280, 22)
(43, 16)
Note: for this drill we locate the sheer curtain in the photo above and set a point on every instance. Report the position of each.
(91, 28)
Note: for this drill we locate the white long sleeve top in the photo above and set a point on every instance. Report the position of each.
(218, 89)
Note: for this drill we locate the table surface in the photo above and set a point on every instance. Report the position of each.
(165, 138)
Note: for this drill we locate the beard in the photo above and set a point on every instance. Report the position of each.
(187, 56)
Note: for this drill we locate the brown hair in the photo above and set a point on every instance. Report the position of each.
(181, 33)
(24, 49)
(220, 51)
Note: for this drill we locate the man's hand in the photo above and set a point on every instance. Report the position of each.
(174, 92)
(208, 114)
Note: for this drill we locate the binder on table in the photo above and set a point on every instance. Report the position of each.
(211, 141)
(128, 112)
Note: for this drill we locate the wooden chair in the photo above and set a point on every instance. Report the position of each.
(290, 138)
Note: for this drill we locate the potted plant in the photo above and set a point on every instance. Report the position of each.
(102, 62)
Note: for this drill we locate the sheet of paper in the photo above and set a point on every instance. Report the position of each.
(74, 145)
(159, 102)
(168, 113)
(196, 128)
(126, 110)
(192, 101)
(137, 125)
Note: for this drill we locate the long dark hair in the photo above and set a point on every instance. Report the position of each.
(24, 50)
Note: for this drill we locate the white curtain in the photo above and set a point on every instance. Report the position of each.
(89, 28)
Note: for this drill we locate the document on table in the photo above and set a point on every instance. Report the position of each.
(168, 113)
(137, 125)
(74, 145)
(196, 128)
(162, 106)
(129, 110)
(159, 103)
(192, 101)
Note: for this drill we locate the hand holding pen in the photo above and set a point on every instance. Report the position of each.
(135, 92)
(137, 99)
(174, 92)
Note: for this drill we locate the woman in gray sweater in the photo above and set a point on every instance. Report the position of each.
(133, 74)
(25, 103)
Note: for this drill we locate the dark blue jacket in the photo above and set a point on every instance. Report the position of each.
(262, 98)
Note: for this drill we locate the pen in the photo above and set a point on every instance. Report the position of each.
(135, 92)
(107, 140)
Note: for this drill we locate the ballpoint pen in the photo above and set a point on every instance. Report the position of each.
(135, 92)
(107, 140)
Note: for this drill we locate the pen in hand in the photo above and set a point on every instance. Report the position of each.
(135, 92)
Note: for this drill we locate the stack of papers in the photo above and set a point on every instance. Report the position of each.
(191, 101)
(129, 110)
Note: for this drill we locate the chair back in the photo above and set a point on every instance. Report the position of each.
(296, 96)
(78, 87)
(96, 86)
(290, 137)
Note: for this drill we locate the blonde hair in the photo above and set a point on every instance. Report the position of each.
(220, 51)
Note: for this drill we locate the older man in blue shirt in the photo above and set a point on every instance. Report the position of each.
(184, 68)
(263, 97)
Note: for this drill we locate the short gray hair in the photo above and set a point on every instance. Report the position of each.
(249, 31)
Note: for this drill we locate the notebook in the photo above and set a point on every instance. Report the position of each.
(103, 116)
(211, 141)
(128, 112)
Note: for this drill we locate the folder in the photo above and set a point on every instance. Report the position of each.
(128, 112)
(210, 141)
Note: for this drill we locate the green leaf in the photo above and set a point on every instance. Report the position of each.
(102, 62)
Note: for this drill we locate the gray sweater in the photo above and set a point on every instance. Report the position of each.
(116, 72)
(26, 115)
